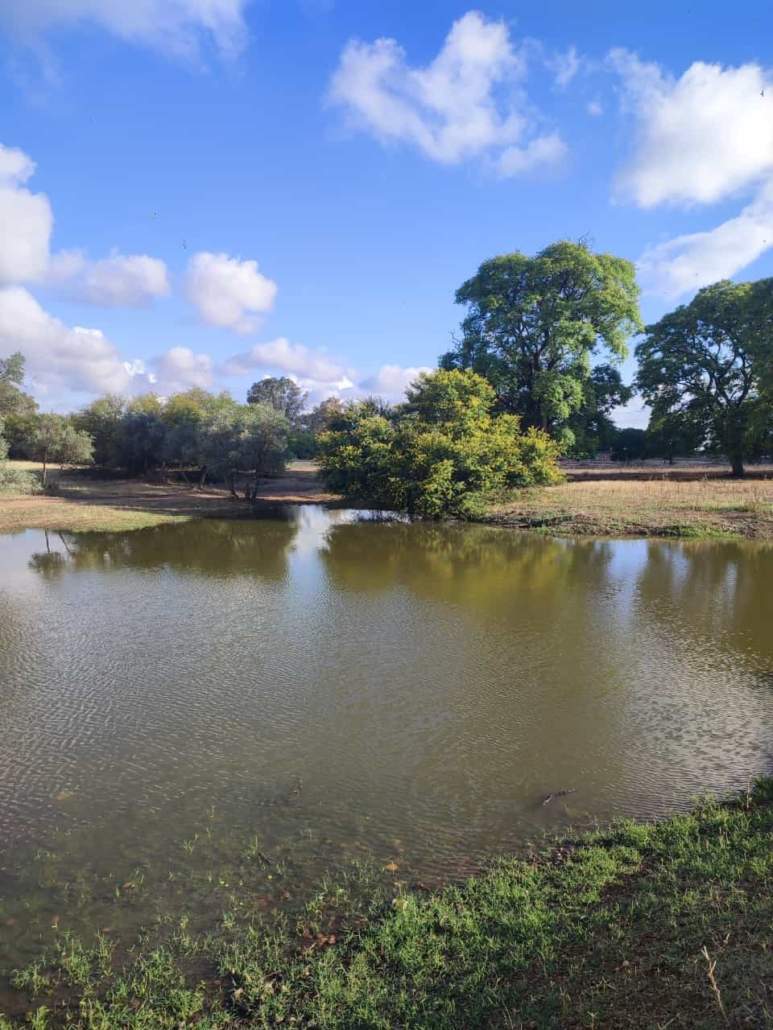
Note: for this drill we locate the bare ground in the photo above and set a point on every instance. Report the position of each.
(86, 504)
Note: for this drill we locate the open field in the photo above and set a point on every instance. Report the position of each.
(642, 925)
(86, 504)
(619, 506)
(628, 501)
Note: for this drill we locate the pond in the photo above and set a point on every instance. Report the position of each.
(332, 685)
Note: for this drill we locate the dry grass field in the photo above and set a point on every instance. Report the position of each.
(645, 507)
(85, 504)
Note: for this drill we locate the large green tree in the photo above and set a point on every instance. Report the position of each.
(533, 324)
(706, 366)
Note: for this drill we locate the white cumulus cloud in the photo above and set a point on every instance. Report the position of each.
(228, 292)
(391, 381)
(699, 138)
(686, 263)
(177, 27)
(292, 358)
(180, 369)
(25, 221)
(466, 103)
(319, 373)
(121, 280)
(60, 358)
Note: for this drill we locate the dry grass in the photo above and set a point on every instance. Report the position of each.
(670, 507)
(84, 504)
(616, 506)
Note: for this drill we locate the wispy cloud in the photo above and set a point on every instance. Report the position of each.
(120, 280)
(174, 27)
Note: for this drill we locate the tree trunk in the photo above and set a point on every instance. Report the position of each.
(232, 483)
(203, 476)
(45, 470)
(737, 463)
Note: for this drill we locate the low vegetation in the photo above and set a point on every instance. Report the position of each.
(640, 925)
(644, 507)
(444, 452)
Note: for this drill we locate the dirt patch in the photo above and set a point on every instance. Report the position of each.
(89, 504)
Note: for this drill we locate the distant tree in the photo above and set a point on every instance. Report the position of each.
(17, 408)
(323, 415)
(262, 442)
(57, 440)
(102, 420)
(672, 436)
(629, 445)
(140, 440)
(242, 439)
(591, 425)
(12, 369)
(187, 419)
(13, 479)
(444, 452)
(75, 446)
(534, 322)
(46, 440)
(706, 365)
(281, 393)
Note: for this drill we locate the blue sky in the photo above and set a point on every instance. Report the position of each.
(225, 189)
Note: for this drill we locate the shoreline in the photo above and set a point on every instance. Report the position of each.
(637, 924)
(676, 504)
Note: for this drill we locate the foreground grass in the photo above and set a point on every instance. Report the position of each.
(643, 925)
(665, 507)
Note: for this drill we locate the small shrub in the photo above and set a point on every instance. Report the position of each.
(18, 481)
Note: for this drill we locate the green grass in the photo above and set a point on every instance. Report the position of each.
(667, 924)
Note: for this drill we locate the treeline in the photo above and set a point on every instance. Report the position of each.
(533, 325)
(209, 436)
(535, 373)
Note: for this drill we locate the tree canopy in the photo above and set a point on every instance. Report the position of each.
(705, 368)
(444, 452)
(533, 324)
(56, 439)
(281, 393)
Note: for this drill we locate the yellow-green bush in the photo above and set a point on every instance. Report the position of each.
(444, 452)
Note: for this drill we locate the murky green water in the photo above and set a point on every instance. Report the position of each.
(344, 688)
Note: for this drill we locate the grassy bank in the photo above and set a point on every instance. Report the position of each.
(614, 506)
(642, 925)
(653, 507)
(83, 503)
